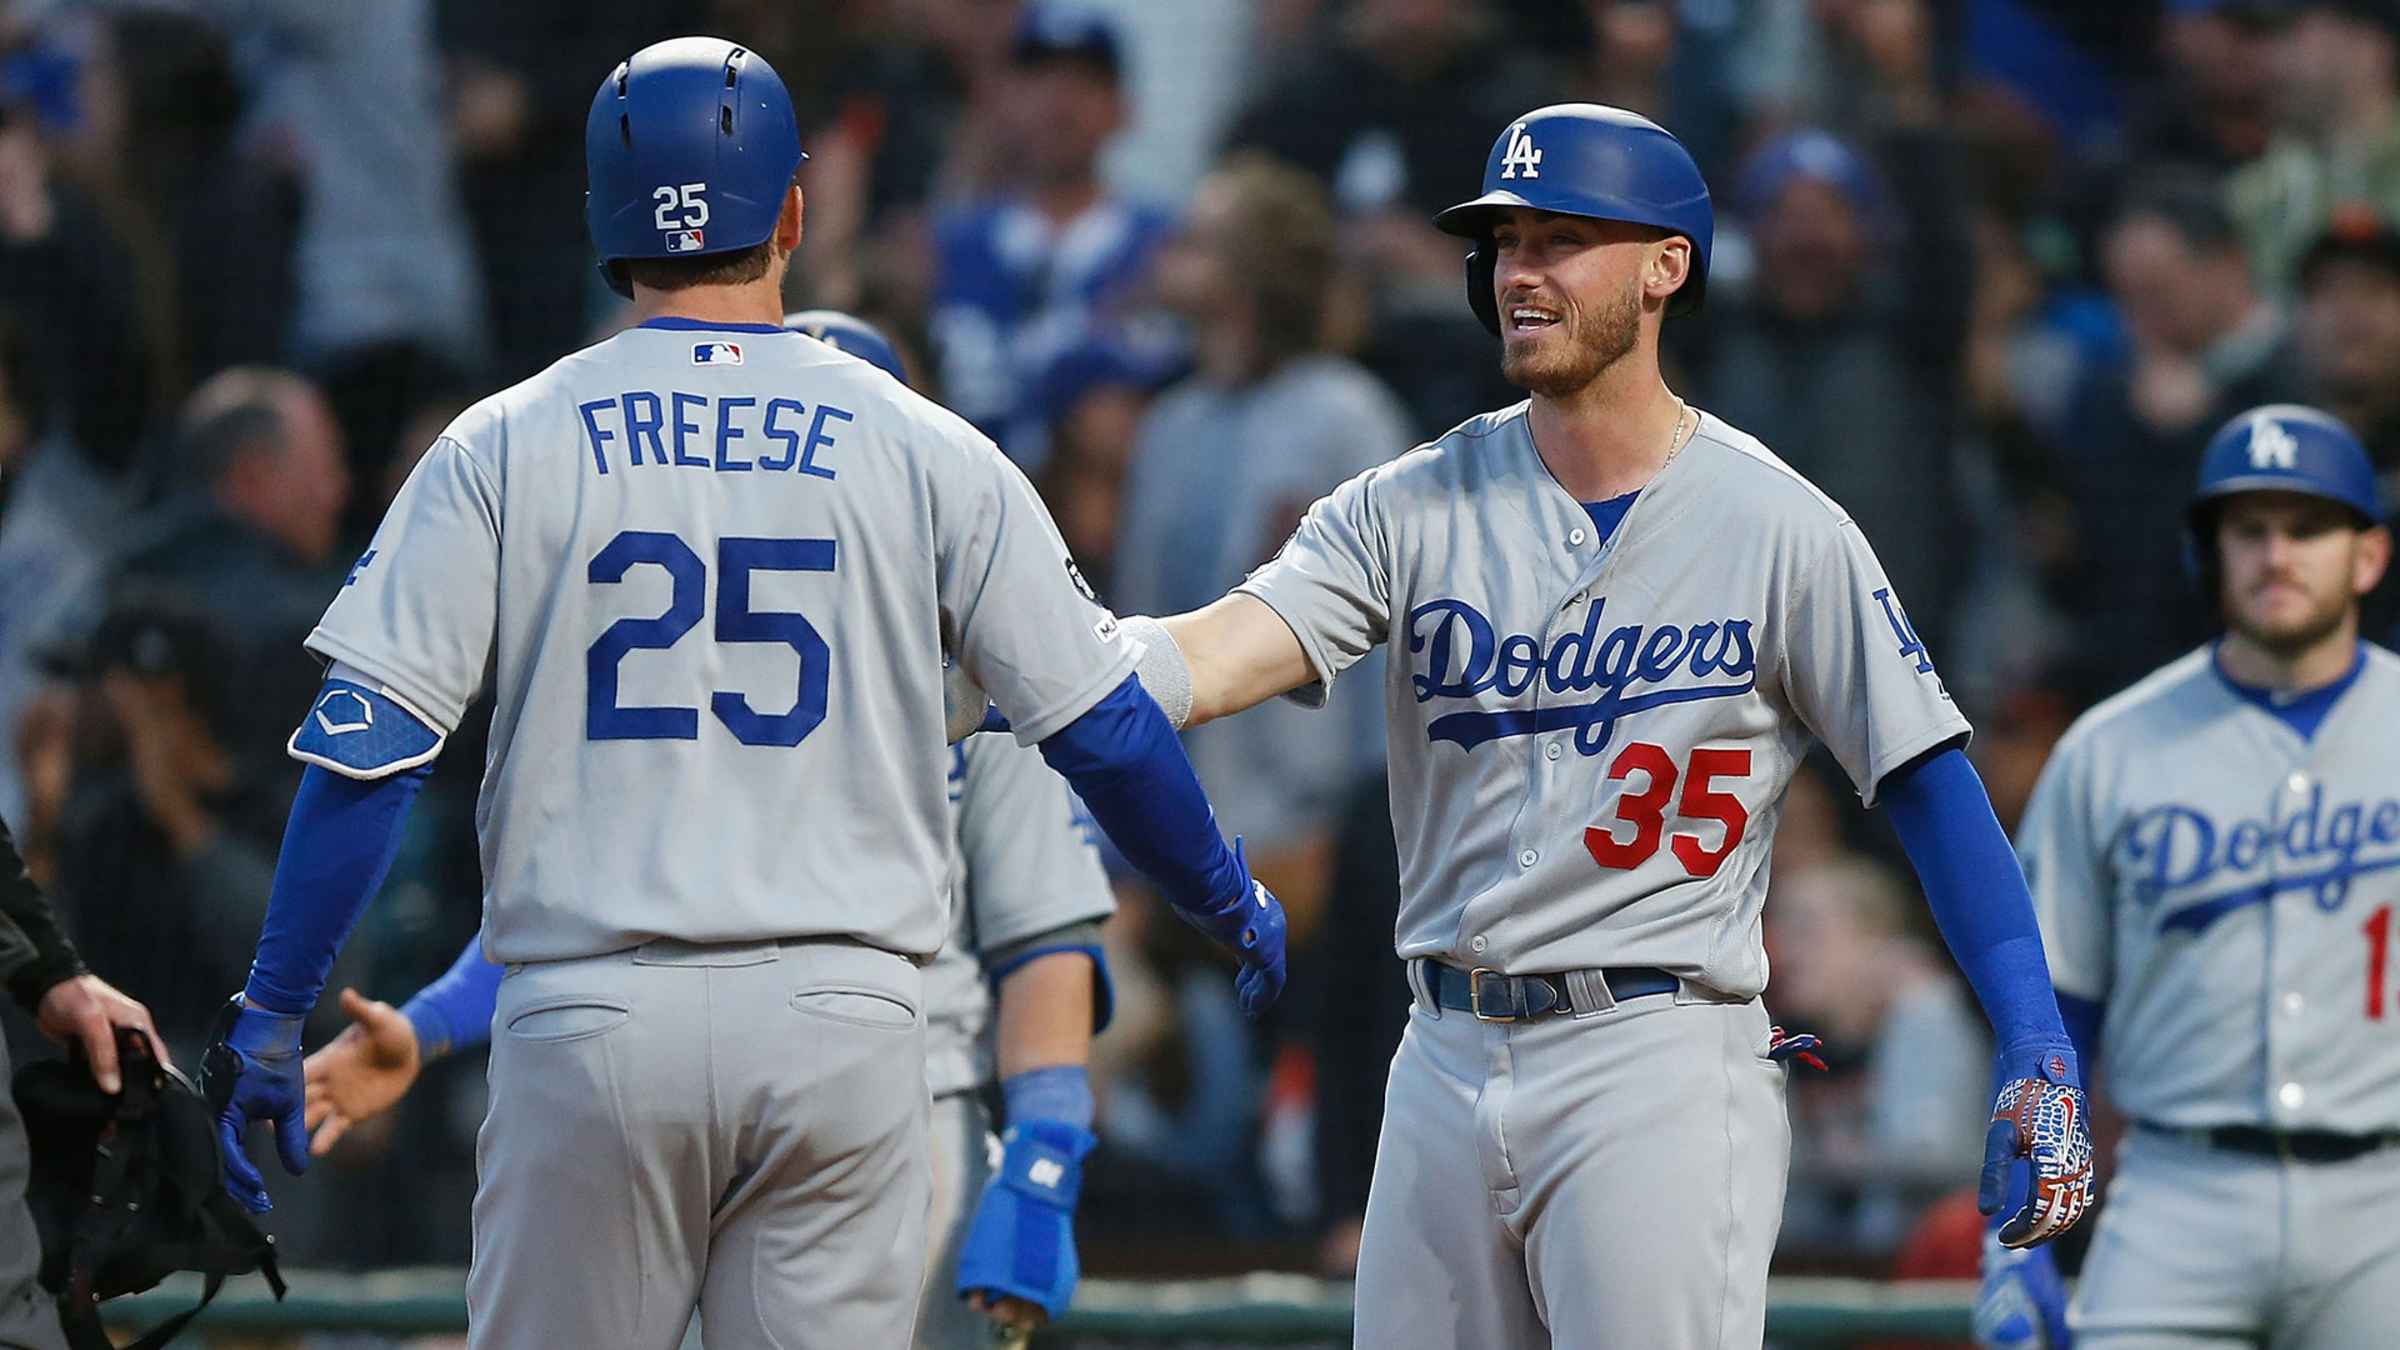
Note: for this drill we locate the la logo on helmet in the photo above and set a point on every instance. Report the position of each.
(1520, 155)
(2271, 447)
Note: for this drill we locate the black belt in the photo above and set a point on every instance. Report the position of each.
(2308, 1146)
(1494, 997)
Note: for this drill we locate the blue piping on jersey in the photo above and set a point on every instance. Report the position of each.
(676, 323)
(2303, 712)
(1594, 722)
(2198, 915)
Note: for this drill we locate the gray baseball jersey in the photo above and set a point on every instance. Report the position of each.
(1025, 859)
(2228, 889)
(1590, 741)
(709, 574)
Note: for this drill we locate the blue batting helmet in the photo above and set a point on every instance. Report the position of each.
(690, 147)
(1585, 159)
(2285, 447)
(849, 333)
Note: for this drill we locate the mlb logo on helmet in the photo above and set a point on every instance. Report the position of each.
(684, 241)
(716, 353)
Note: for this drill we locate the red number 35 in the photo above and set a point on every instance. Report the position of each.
(1646, 811)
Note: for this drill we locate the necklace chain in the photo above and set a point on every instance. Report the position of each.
(1675, 441)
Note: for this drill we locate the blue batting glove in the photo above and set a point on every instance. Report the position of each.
(2023, 1302)
(1251, 923)
(2041, 1121)
(1022, 1243)
(252, 1072)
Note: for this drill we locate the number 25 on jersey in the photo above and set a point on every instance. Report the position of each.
(604, 719)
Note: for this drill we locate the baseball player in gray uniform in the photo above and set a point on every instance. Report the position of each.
(1616, 622)
(708, 568)
(2215, 857)
(1013, 998)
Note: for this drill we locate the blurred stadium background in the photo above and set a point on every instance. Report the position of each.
(1989, 271)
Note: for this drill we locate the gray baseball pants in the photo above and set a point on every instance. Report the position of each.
(2201, 1248)
(1579, 1183)
(739, 1129)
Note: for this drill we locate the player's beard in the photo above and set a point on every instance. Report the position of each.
(2288, 639)
(1559, 369)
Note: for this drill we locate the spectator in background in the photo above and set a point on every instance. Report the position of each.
(250, 539)
(1092, 401)
(1397, 112)
(520, 81)
(209, 225)
(2205, 344)
(2349, 334)
(69, 283)
(1895, 1121)
(386, 273)
(2211, 108)
(166, 844)
(1845, 355)
(2337, 144)
(1024, 276)
(1226, 464)
(2349, 342)
(56, 514)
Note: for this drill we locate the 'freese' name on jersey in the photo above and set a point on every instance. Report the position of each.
(1458, 655)
(722, 433)
(2173, 852)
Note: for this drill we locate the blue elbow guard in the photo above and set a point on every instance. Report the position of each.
(363, 733)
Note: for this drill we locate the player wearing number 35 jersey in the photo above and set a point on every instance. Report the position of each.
(708, 569)
(1616, 623)
(2215, 857)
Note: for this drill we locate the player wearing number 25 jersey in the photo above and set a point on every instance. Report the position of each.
(2215, 857)
(708, 569)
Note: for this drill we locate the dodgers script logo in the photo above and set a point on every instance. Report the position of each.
(2175, 852)
(1633, 667)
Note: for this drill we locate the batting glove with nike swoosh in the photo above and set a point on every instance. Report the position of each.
(2041, 1120)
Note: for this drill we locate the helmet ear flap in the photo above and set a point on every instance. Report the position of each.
(1479, 286)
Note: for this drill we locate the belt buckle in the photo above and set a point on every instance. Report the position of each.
(1475, 997)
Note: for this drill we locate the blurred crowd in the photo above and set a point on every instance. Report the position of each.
(1988, 271)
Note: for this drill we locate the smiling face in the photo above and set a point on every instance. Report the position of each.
(1573, 292)
(2294, 568)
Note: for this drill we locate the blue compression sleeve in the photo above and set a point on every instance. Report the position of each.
(455, 1011)
(1977, 892)
(1123, 759)
(2083, 1017)
(338, 844)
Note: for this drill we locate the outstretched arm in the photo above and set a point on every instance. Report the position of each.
(367, 1069)
(1238, 654)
